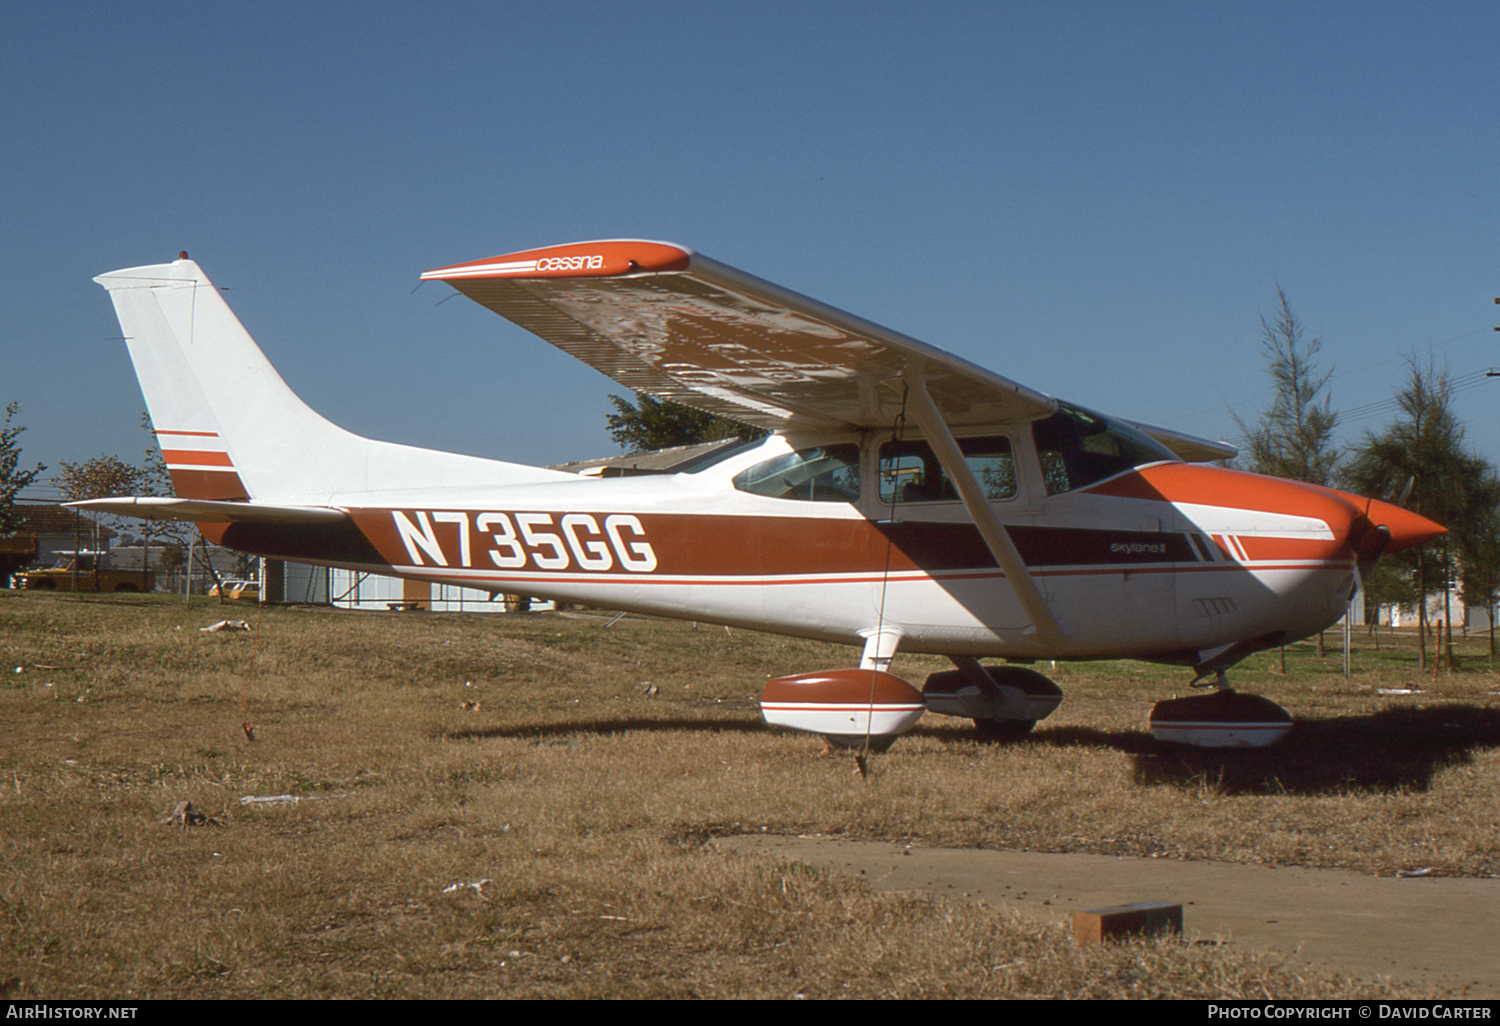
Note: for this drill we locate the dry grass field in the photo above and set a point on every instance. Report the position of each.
(520, 806)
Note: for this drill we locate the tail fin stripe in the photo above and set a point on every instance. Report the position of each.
(196, 458)
(218, 485)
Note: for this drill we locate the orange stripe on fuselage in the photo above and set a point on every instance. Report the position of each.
(710, 548)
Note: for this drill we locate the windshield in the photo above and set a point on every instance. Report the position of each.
(1077, 447)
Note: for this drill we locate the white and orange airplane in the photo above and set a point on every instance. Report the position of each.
(905, 498)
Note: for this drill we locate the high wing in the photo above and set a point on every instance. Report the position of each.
(666, 321)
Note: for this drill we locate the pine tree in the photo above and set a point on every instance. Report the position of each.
(1294, 438)
(1422, 453)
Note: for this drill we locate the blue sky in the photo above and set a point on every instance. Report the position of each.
(1095, 199)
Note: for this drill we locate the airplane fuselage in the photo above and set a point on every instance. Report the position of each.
(1143, 564)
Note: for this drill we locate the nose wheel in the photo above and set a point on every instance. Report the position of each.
(1220, 718)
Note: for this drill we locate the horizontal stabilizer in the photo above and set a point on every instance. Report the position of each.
(207, 511)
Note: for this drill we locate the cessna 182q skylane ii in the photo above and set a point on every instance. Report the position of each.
(905, 498)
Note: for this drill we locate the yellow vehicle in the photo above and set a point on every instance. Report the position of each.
(86, 571)
(237, 589)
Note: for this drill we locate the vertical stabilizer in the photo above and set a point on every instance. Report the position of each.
(229, 426)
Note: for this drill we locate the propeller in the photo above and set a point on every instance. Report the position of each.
(1369, 541)
(1406, 491)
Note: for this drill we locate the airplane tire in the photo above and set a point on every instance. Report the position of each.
(1025, 679)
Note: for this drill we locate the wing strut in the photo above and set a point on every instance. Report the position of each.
(990, 528)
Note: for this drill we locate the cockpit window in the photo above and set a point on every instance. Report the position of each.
(827, 473)
(1077, 447)
(910, 471)
(719, 455)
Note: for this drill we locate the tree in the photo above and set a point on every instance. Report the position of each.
(1294, 438)
(12, 477)
(103, 477)
(154, 477)
(661, 424)
(1424, 449)
(1481, 564)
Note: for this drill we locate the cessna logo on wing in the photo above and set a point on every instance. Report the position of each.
(571, 263)
(515, 541)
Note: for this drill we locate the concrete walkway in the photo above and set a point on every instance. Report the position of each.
(1438, 931)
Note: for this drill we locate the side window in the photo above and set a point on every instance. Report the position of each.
(990, 461)
(821, 474)
(1077, 448)
(910, 471)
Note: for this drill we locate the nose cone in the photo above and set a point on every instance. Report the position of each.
(1406, 528)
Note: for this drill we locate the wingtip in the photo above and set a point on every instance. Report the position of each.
(601, 259)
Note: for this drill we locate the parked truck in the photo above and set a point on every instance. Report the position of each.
(86, 571)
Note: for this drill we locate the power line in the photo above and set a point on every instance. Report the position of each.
(1462, 383)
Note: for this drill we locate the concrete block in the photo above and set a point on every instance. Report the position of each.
(1142, 919)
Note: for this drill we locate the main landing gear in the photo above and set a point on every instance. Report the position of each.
(1004, 701)
(869, 708)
